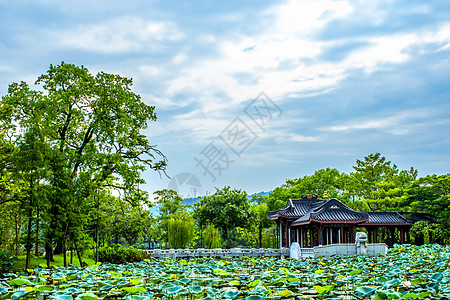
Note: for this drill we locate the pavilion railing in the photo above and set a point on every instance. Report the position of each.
(233, 252)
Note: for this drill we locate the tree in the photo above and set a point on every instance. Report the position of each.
(169, 204)
(260, 209)
(211, 236)
(181, 230)
(93, 129)
(431, 195)
(226, 209)
(370, 171)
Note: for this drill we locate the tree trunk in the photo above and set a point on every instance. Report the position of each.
(28, 244)
(36, 250)
(260, 234)
(225, 233)
(78, 253)
(96, 233)
(48, 252)
(16, 240)
(64, 252)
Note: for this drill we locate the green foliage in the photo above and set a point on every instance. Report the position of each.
(431, 195)
(76, 135)
(408, 272)
(181, 230)
(212, 238)
(117, 254)
(226, 209)
(430, 232)
(6, 262)
(170, 206)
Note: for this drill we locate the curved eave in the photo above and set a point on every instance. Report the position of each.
(386, 224)
(278, 216)
(341, 221)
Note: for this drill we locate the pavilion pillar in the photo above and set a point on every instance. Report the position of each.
(408, 237)
(392, 232)
(352, 234)
(341, 235)
(320, 236)
(301, 237)
(280, 235)
(305, 238)
(286, 235)
(312, 237)
(402, 235)
(374, 235)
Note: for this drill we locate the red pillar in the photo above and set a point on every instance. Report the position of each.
(402, 235)
(351, 235)
(375, 235)
(287, 235)
(312, 237)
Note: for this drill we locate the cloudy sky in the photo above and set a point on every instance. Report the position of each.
(250, 93)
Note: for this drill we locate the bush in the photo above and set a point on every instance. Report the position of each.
(6, 262)
(117, 254)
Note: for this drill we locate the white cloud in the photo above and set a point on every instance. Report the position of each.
(397, 123)
(124, 34)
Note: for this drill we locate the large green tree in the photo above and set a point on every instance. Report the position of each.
(170, 206)
(93, 128)
(431, 195)
(226, 209)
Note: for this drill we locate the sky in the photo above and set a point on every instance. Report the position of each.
(251, 93)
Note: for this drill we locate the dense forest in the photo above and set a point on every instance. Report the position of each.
(71, 160)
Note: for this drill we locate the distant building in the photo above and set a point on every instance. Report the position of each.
(311, 221)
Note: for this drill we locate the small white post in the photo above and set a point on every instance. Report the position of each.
(281, 237)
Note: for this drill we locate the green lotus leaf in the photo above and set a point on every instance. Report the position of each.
(231, 294)
(62, 297)
(184, 281)
(390, 283)
(174, 290)
(20, 281)
(195, 289)
(365, 291)
(87, 296)
(284, 293)
(254, 297)
(20, 294)
(323, 289)
(212, 291)
(394, 295)
(436, 277)
(3, 290)
(106, 287)
(254, 283)
(137, 281)
(134, 289)
(43, 288)
(355, 272)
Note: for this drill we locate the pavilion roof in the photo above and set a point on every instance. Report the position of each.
(386, 218)
(306, 210)
(309, 209)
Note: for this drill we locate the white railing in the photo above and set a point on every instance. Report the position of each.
(220, 252)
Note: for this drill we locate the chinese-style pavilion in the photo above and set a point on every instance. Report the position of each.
(311, 221)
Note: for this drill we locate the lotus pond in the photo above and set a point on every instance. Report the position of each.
(408, 272)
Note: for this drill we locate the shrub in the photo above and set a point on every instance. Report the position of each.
(118, 254)
(6, 262)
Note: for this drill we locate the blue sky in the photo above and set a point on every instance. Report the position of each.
(340, 79)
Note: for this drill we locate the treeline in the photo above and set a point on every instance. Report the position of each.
(71, 158)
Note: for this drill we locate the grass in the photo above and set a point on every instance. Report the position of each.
(37, 261)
